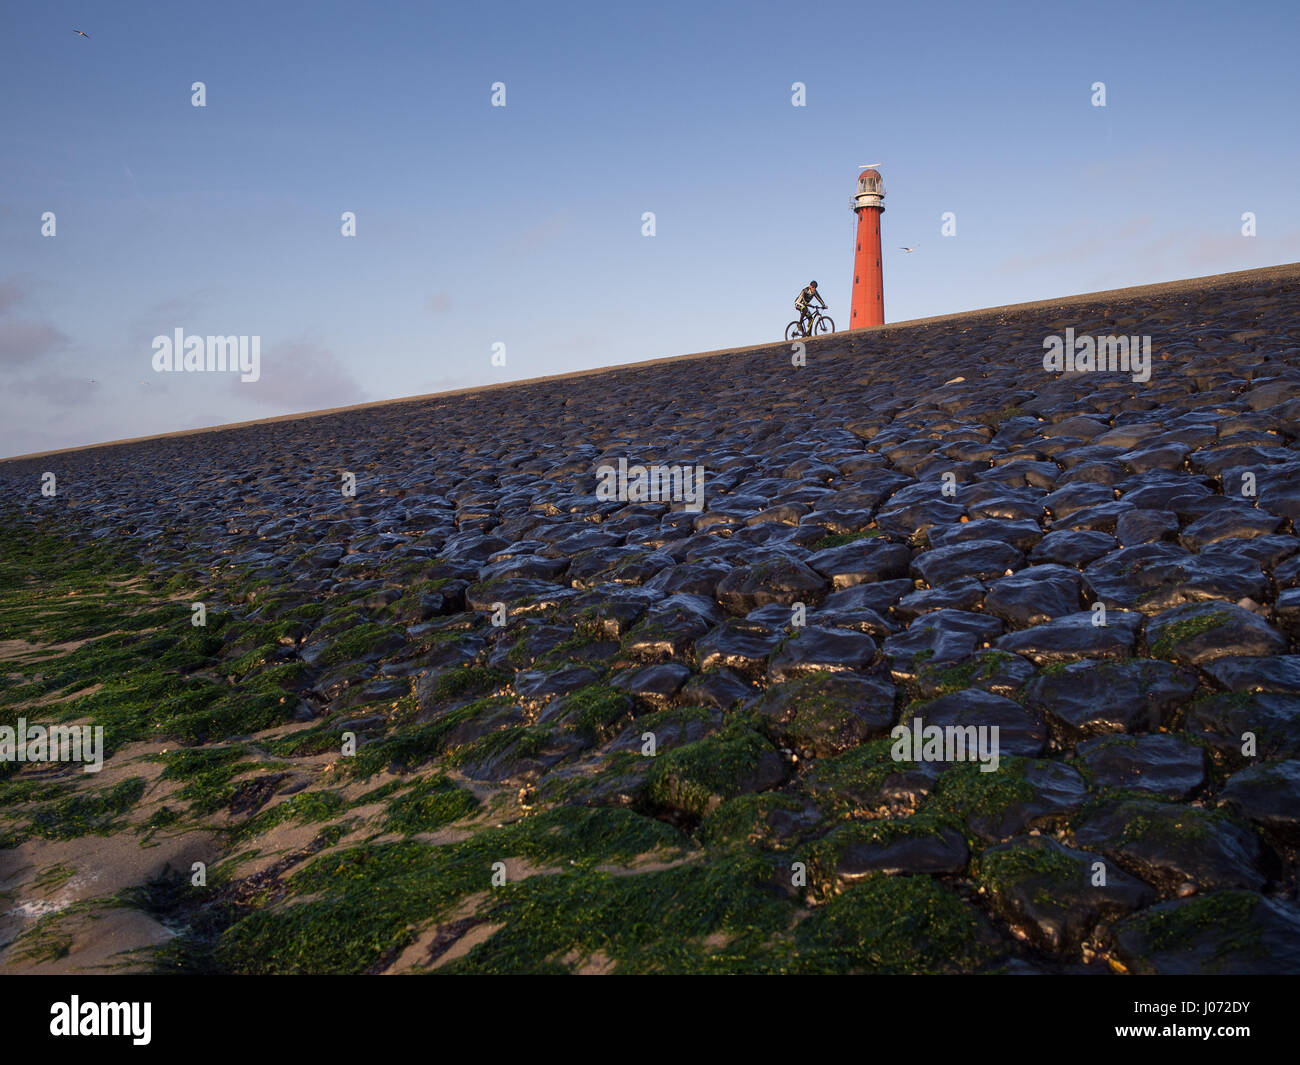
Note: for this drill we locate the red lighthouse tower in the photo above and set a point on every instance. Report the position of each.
(868, 277)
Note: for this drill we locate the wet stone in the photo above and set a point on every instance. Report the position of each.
(1146, 526)
(1162, 764)
(1076, 636)
(1047, 893)
(672, 728)
(656, 684)
(719, 688)
(540, 684)
(1198, 633)
(812, 649)
(938, 638)
(1273, 673)
(1020, 732)
(781, 581)
(965, 594)
(863, 561)
(1267, 795)
(525, 758)
(1220, 934)
(940, 853)
(1239, 522)
(1035, 595)
(574, 709)
(859, 620)
(1054, 792)
(1022, 535)
(1104, 517)
(524, 566)
(1287, 609)
(521, 647)
(1089, 697)
(991, 671)
(1271, 720)
(877, 596)
(1065, 501)
(610, 611)
(672, 625)
(520, 595)
(774, 616)
(696, 578)
(825, 713)
(1269, 552)
(912, 520)
(1156, 576)
(980, 559)
(737, 644)
(1168, 456)
(1072, 548)
(1174, 847)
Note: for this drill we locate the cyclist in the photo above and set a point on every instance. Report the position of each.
(803, 301)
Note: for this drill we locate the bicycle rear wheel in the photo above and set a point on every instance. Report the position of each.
(792, 331)
(824, 325)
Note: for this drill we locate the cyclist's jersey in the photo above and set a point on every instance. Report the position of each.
(805, 297)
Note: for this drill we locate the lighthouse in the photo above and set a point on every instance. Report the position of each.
(868, 278)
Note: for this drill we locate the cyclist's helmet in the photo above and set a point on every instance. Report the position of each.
(812, 284)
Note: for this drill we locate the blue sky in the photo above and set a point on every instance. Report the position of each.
(522, 225)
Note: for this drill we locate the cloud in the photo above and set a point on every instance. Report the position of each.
(25, 342)
(160, 319)
(11, 294)
(300, 375)
(1078, 243)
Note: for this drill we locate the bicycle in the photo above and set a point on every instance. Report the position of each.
(820, 323)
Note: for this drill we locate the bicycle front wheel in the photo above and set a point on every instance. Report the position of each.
(792, 331)
(824, 325)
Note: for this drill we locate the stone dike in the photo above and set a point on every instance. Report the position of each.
(927, 658)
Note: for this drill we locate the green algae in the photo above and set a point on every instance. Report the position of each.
(1178, 927)
(429, 804)
(85, 813)
(695, 777)
(1187, 629)
(840, 539)
(999, 868)
(597, 711)
(349, 911)
(893, 925)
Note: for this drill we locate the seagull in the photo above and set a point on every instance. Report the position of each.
(901, 248)
(85, 35)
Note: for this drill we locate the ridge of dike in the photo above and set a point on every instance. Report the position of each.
(1283, 271)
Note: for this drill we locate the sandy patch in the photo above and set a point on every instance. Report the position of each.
(104, 865)
(98, 940)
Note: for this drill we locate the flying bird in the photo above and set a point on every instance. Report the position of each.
(901, 248)
(86, 35)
